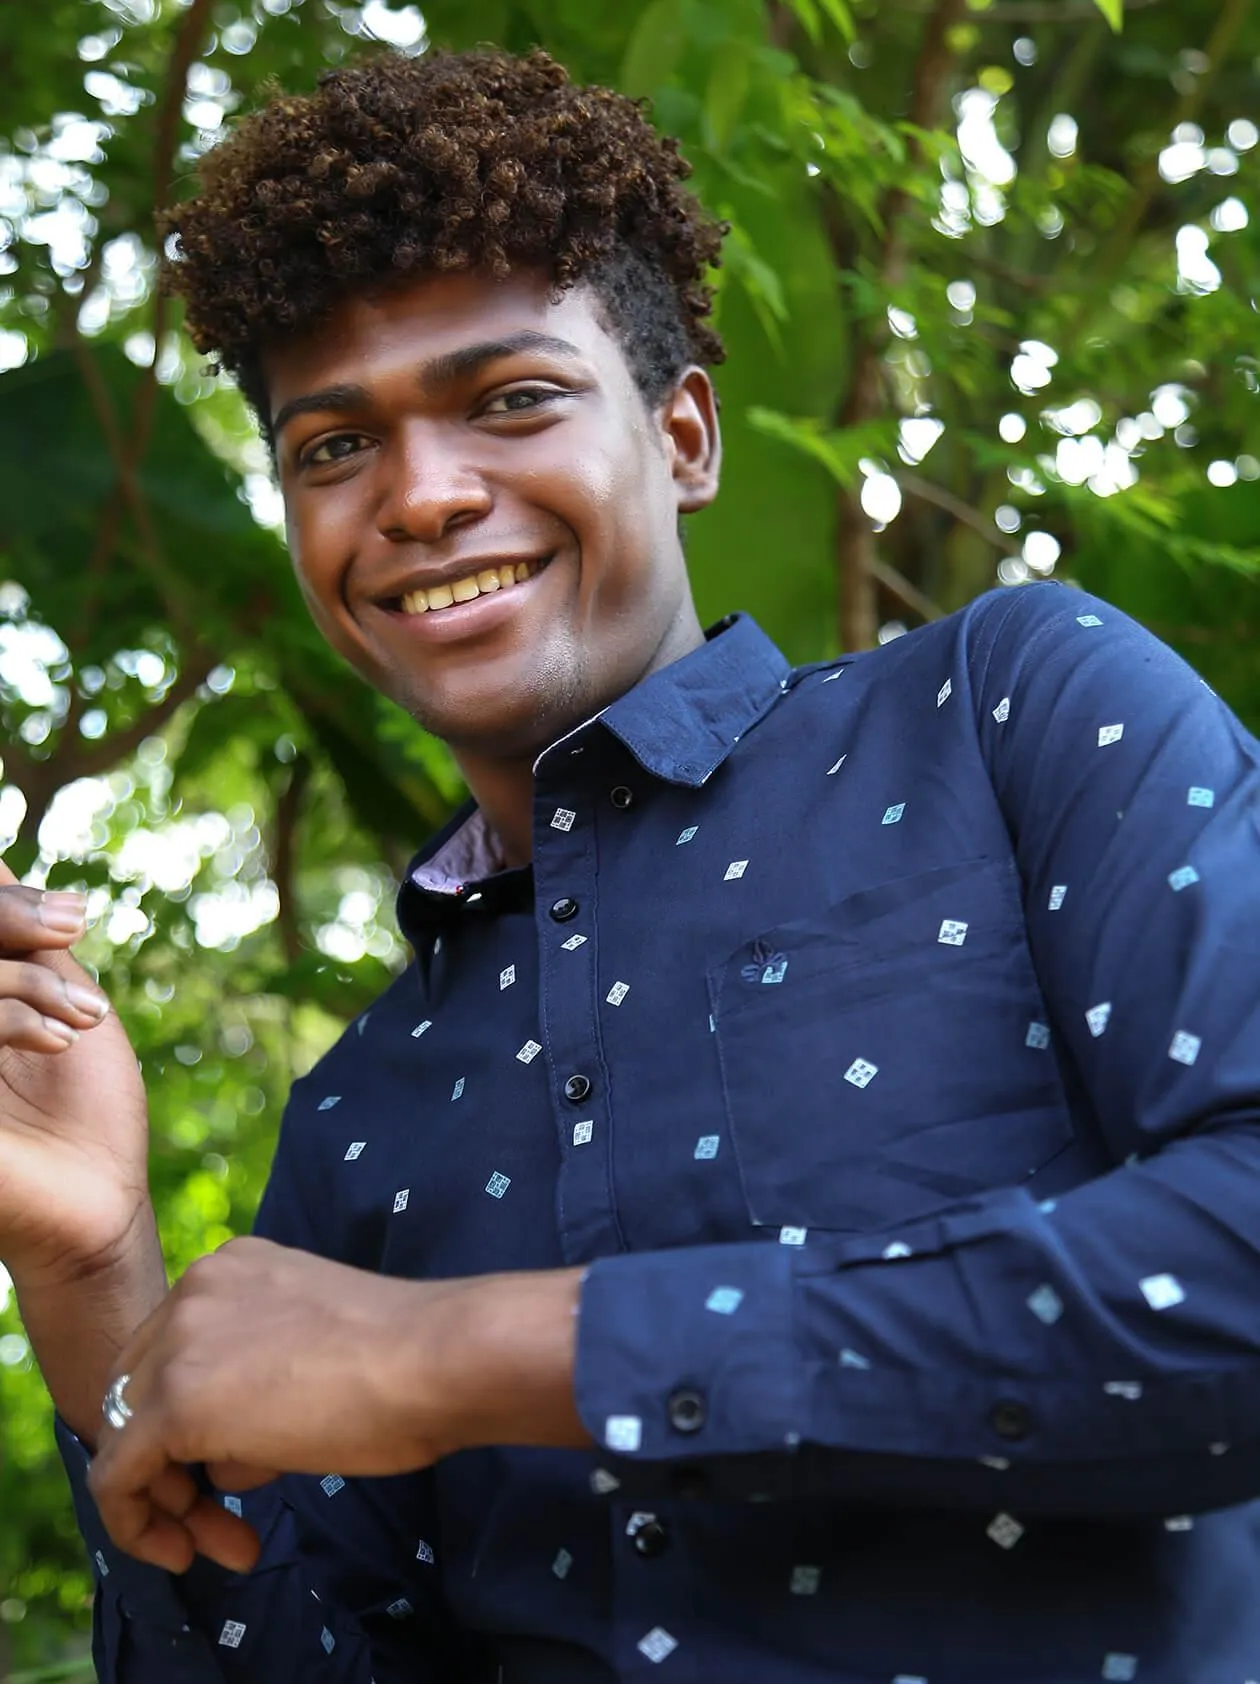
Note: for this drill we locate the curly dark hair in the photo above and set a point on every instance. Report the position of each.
(400, 167)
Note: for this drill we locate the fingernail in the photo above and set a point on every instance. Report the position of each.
(64, 913)
(87, 1000)
(62, 1031)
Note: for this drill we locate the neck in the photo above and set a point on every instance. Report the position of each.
(503, 786)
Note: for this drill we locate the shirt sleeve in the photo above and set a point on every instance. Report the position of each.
(1098, 1353)
(345, 1590)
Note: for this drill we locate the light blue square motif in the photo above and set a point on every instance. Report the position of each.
(892, 815)
(775, 971)
(707, 1146)
(498, 1185)
(724, 1300)
(458, 1088)
(328, 1640)
(1119, 1668)
(686, 835)
(1182, 878)
(1197, 797)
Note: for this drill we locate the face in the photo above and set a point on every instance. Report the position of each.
(482, 509)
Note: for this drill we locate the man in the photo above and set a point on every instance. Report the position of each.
(797, 1216)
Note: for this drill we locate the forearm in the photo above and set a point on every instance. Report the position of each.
(505, 1352)
(81, 1317)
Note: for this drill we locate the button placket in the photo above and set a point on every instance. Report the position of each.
(564, 876)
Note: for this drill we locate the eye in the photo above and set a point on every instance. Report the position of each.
(520, 400)
(336, 448)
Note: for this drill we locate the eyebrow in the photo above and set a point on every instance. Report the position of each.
(443, 370)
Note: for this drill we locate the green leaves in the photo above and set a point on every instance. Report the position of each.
(1113, 11)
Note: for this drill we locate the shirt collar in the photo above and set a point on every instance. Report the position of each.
(679, 723)
(682, 722)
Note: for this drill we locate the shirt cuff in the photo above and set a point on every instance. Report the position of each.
(688, 1355)
(145, 1593)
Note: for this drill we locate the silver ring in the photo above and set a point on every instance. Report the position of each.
(115, 1408)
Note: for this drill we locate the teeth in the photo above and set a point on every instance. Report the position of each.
(467, 590)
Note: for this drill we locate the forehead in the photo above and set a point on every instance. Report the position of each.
(371, 336)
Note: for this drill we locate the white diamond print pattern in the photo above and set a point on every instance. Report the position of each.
(1162, 1292)
(507, 976)
(832, 770)
(1038, 1035)
(735, 869)
(805, 1581)
(1183, 877)
(573, 943)
(233, 1506)
(457, 1090)
(562, 818)
(1002, 712)
(230, 1636)
(1118, 1668)
(331, 1484)
(529, 1052)
(707, 1146)
(1109, 734)
(582, 1132)
(354, 1150)
(328, 1640)
(892, 815)
(952, 933)
(1045, 1304)
(420, 1028)
(498, 1185)
(1058, 895)
(400, 1199)
(1197, 796)
(1088, 620)
(424, 1552)
(617, 993)
(792, 1236)
(1005, 1531)
(332, 1099)
(724, 1300)
(861, 1073)
(624, 1433)
(560, 1566)
(657, 1645)
(1185, 1047)
(1098, 1017)
(945, 692)
(686, 835)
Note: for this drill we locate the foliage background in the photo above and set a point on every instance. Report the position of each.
(990, 298)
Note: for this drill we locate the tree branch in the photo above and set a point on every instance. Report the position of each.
(927, 492)
(192, 31)
(855, 542)
(283, 858)
(39, 780)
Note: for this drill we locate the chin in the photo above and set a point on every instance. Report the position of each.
(510, 727)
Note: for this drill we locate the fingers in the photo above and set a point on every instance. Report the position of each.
(170, 1520)
(36, 919)
(43, 1011)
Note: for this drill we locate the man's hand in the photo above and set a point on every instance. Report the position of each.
(264, 1360)
(73, 1131)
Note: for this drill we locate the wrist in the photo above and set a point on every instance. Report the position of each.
(498, 1358)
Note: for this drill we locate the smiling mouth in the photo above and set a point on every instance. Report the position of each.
(482, 583)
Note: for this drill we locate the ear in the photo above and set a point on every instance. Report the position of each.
(689, 420)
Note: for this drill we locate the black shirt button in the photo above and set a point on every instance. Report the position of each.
(577, 1088)
(564, 909)
(648, 1535)
(687, 1413)
(621, 797)
(1010, 1420)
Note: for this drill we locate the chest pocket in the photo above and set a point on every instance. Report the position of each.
(890, 1055)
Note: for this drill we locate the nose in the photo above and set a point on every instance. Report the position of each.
(429, 487)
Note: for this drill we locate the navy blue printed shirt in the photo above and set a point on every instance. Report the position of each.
(884, 1038)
